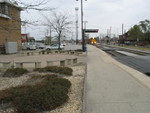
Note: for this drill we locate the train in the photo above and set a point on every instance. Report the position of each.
(93, 41)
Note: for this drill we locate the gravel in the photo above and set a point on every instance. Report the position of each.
(74, 104)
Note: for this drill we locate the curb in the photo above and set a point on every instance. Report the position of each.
(84, 92)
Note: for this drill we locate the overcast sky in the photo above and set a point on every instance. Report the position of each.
(100, 14)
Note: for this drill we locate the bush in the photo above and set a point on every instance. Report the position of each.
(50, 76)
(79, 50)
(48, 95)
(15, 72)
(40, 69)
(9, 94)
(56, 69)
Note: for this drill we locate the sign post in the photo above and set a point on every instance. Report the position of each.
(91, 30)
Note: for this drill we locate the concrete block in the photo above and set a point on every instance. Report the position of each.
(75, 61)
(37, 64)
(6, 64)
(32, 53)
(19, 65)
(28, 53)
(63, 63)
(69, 61)
(49, 63)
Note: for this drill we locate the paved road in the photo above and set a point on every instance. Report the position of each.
(110, 89)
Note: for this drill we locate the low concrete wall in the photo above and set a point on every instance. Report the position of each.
(37, 64)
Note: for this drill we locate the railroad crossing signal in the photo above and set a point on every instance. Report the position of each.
(91, 30)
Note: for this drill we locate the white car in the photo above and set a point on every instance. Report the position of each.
(40, 46)
(28, 46)
(54, 47)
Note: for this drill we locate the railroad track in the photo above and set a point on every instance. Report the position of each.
(138, 52)
(138, 62)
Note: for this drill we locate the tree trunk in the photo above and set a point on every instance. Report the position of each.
(59, 41)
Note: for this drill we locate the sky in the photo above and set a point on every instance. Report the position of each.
(106, 15)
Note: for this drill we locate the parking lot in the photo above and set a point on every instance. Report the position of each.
(36, 57)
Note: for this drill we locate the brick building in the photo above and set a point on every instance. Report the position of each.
(24, 38)
(10, 23)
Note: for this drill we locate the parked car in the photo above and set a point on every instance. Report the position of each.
(127, 43)
(40, 46)
(54, 47)
(28, 46)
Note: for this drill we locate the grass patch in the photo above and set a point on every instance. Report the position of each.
(50, 93)
(56, 69)
(137, 47)
(15, 72)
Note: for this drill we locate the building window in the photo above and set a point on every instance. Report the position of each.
(4, 9)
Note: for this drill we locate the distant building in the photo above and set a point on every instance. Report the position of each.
(125, 37)
(24, 38)
(107, 39)
(27, 38)
(10, 23)
(31, 39)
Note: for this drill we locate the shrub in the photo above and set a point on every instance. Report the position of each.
(35, 77)
(51, 93)
(79, 50)
(9, 94)
(56, 69)
(40, 69)
(14, 72)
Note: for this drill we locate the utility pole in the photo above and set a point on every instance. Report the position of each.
(122, 35)
(107, 32)
(100, 37)
(82, 30)
(110, 32)
(83, 41)
(122, 30)
(85, 22)
(47, 36)
(76, 9)
(50, 38)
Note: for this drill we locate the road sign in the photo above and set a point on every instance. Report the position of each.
(91, 30)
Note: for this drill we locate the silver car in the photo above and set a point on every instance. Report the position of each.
(54, 47)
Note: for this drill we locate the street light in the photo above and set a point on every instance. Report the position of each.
(82, 30)
(76, 9)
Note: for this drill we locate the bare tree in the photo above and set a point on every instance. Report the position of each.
(60, 24)
(38, 5)
(34, 5)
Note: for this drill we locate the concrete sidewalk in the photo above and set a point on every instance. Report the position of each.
(112, 87)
